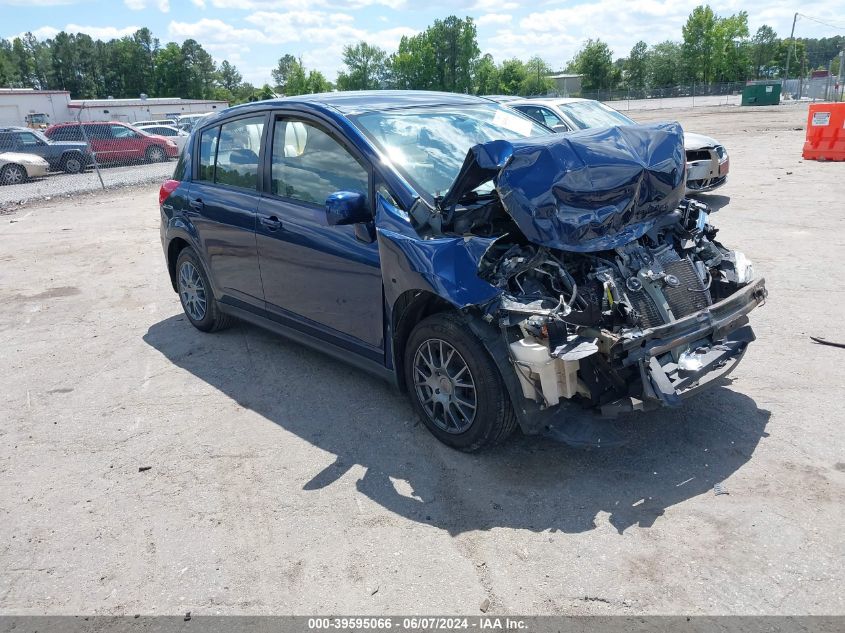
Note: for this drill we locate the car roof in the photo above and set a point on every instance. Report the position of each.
(359, 101)
(15, 128)
(548, 101)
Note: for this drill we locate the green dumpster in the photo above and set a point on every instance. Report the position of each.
(761, 94)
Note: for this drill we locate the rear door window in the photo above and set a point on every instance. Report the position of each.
(237, 152)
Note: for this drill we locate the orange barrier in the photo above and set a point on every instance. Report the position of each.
(825, 132)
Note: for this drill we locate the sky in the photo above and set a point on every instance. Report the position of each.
(253, 34)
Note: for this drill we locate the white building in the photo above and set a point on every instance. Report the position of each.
(17, 103)
(145, 109)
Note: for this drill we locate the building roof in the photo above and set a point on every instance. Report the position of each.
(31, 91)
(117, 103)
(563, 76)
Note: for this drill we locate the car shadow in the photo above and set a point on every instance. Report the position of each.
(529, 483)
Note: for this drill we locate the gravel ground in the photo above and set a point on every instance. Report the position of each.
(59, 184)
(149, 468)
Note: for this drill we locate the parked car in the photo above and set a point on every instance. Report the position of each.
(708, 163)
(68, 156)
(16, 168)
(116, 142)
(180, 137)
(187, 122)
(155, 122)
(502, 274)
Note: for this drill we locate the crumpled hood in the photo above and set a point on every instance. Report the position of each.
(591, 190)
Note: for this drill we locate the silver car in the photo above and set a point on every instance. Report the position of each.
(16, 168)
(707, 160)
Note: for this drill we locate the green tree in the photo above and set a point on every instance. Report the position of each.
(699, 45)
(636, 66)
(170, 71)
(443, 57)
(316, 82)
(8, 71)
(664, 64)
(764, 48)
(595, 62)
(366, 67)
(200, 71)
(455, 45)
(537, 80)
(287, 65)
(228, 77)
(486, 76)
(512, 76)
(412, 65)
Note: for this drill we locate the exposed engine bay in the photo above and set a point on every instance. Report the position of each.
(565, 314)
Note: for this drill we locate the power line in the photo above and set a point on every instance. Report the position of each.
(835, 26)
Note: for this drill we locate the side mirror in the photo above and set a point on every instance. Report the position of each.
(562, 129)
(346, 207)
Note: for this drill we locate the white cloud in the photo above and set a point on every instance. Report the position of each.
(199, 3)
(208, 31)
(493, 18)
(139, 5)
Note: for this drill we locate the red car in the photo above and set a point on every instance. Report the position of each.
(116, 142)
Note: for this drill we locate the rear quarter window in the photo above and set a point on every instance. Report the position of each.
(208, 153)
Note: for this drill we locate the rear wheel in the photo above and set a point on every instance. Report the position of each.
(72, 164)
(12, 175)
(196, 296)
(455, 386)
(156, 154)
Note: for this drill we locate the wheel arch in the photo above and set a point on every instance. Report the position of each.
(411, 307)
(176, 246)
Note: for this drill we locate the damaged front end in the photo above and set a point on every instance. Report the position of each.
(612, 293)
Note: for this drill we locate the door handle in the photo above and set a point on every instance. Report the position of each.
(197, 205)
(273, 223)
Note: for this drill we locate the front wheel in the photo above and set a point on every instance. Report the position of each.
(454, 385)
(196, 296)
(12, 175)
(155, 154)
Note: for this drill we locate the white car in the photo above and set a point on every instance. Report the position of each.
(170, 132)
(155, 122)
(16, 168)
(707, 161)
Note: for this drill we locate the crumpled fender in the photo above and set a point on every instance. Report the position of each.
(591, 190)
(445, 266)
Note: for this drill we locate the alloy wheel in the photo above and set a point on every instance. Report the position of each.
(192, 291)
(73, 165)
(13, 175)
(445, 386)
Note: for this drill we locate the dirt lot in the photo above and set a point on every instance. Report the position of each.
(281, 481)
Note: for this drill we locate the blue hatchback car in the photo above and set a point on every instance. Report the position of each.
(501, 274)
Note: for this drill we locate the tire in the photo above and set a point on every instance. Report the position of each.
(196, 295)
(463, 418)
(156, 154)
(72, 164)
(12, 174)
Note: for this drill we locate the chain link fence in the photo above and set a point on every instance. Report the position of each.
(681, 96)
(79, 157)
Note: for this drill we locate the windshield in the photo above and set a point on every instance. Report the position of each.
(587, 114)
(428, 145)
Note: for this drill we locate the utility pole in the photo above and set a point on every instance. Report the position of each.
(792, 44)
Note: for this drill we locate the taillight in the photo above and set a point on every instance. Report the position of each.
(168, 187)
